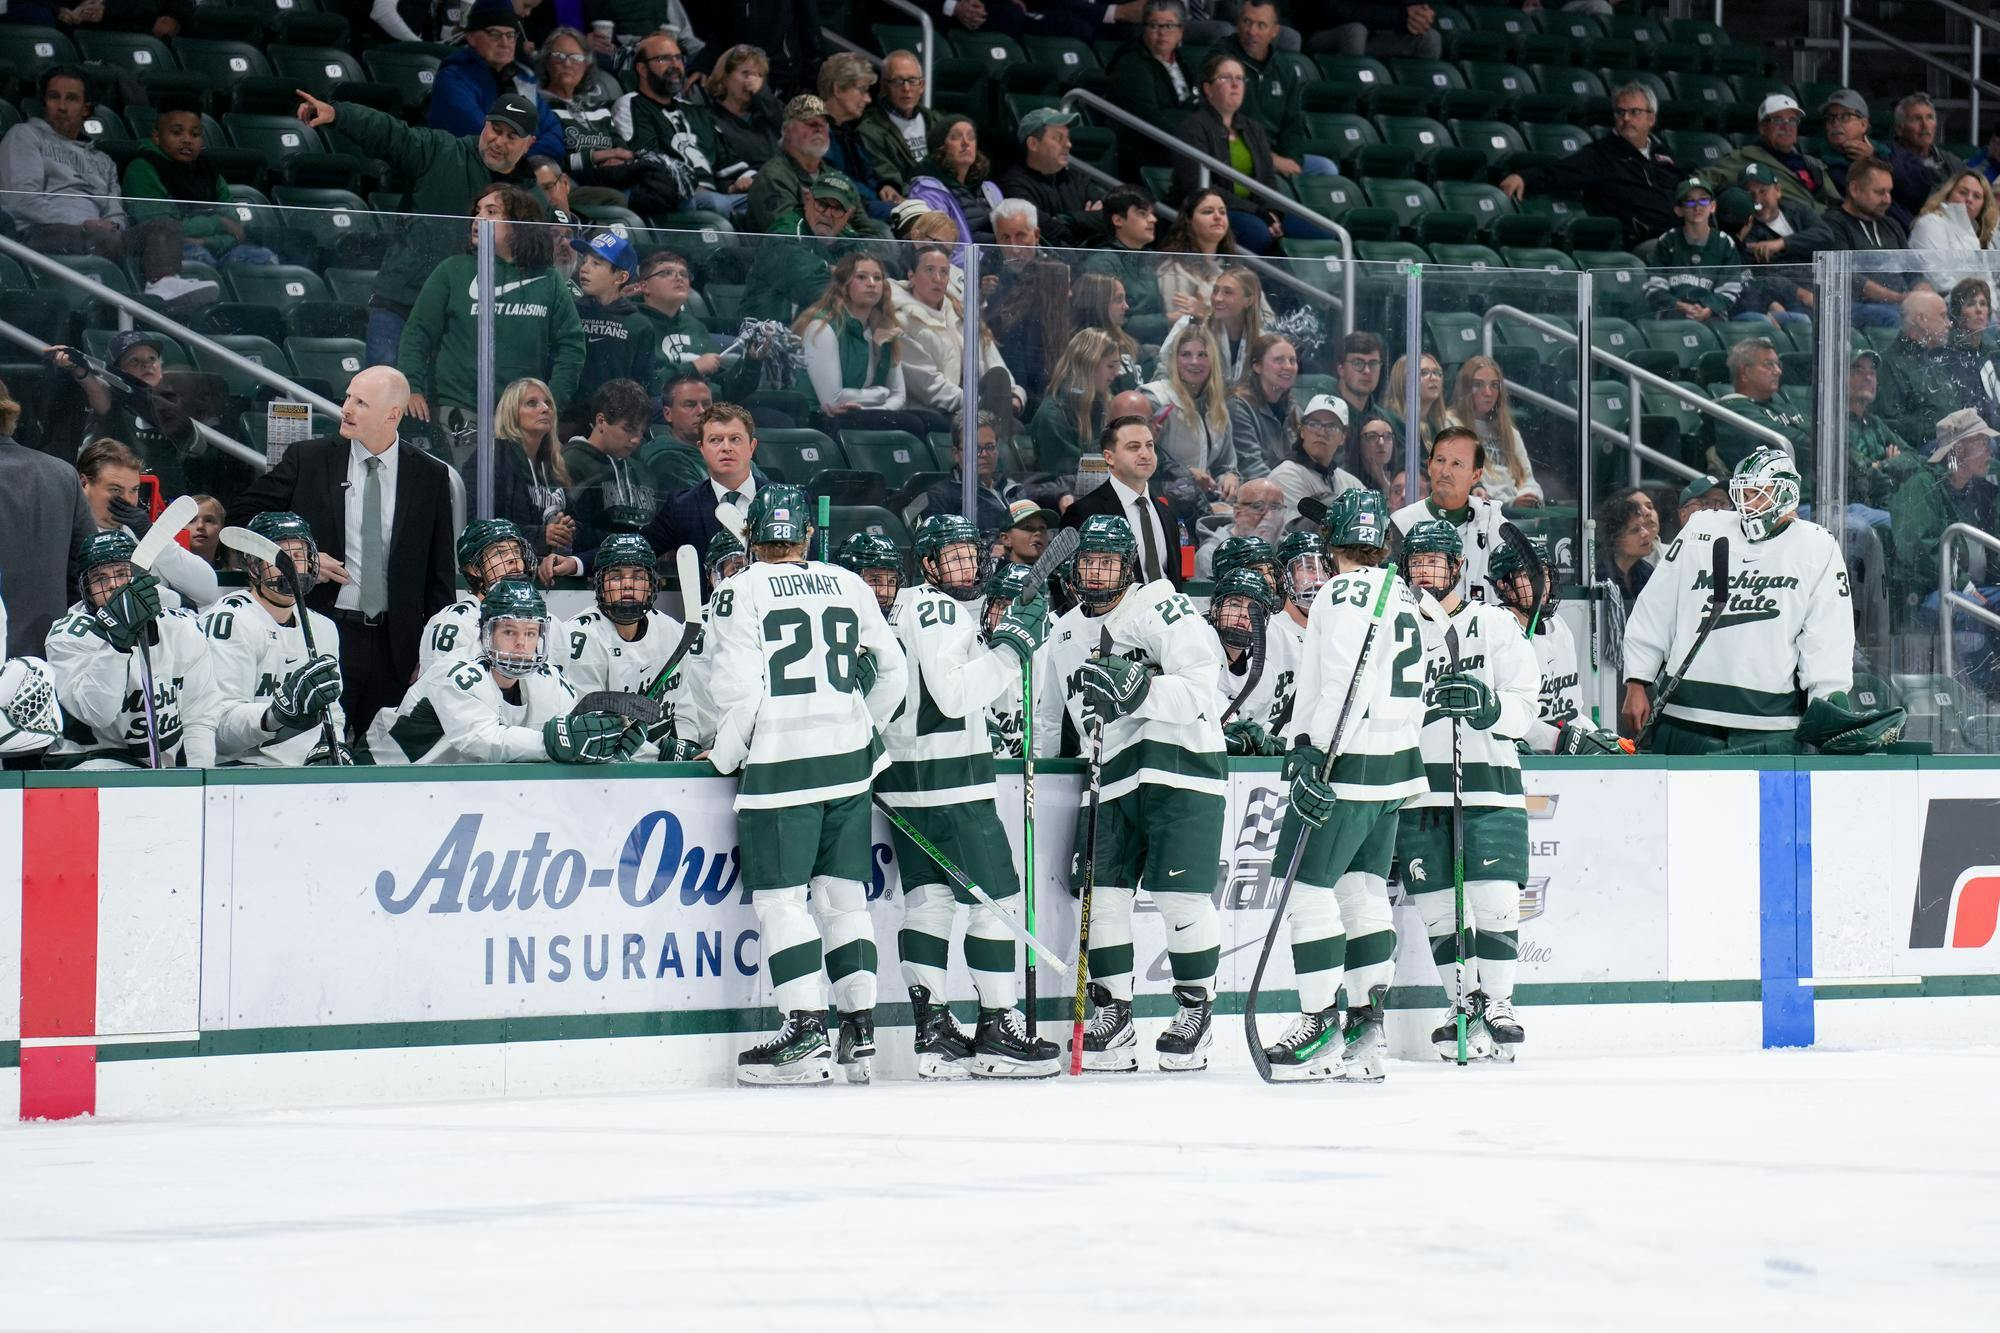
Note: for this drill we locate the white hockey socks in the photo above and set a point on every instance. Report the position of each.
(925, 939)
(1319, 946)
(1111, 939)
(989, 955)
(1371, 935)
(791, 949)
(1495, 905)
(841, 908)
(1194, 937)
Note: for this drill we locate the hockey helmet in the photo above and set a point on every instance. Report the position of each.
(1432, 537)
(725, 556)
(1765, 489)
(1505, 566)
(105, 565)
(491, 549)
(878, 561)
(1238, 605)
(1103, 535)
(952, 557)
(511, 602)
(780, 515)
(1358, 517)
(625, 600)
(282, 527)
(1003, 586)
(1246, 553)
(1302, 567)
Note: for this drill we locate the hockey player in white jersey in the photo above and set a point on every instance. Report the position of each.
(796, 642)
(941, 780)
(1240, 611)
(98, 664)
(489, 550)
(1247, 553)
(1456, 462)
(694, 710)
(879, 562)
(1483, 709)
(273, 693)
(1563, 724)
(1164, 784)
(1303, 569)
(622, 644)
(1782, 650)
(504, 705)
(1005, 723)
(1343, 930)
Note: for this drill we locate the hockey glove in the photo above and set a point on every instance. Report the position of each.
(1312, 796)
(132, 516)
(1245, 738)
(1580, 737)
(864, 672)
(304, 696)
(1831, 726)
(120, 621)
(583, 738)
(1023, 628)
(1465, 697)
(671, 747)
(1113, 687)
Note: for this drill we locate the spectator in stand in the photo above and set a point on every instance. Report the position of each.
(380, 509)
(1017, 233)
(1069, 207)
(580, 96)
(745, 117)
(1432, 414)
(1697, 273)
(1847, 140)
(63, 195)
(1237, 312)
(449, 174)
(1129, 211)
(1195, 439)
(1800, 175)
(1359, 370)
(131, 401)
(853, 352)
(1221, 129)
(664, 457)
(933, 343)
(1027, 532)
(1153, 82)
(1924, 377)
(1971, 307)
(1370, 452)
(631, 20)
(1704, 492)
(844, 81)
(728, 446)
(489, 64)
(800, 163)
(993, 495)
(1878, 463)
(1956, 487)
(1097, 301)
(784, 279)
(609, 489)
(1081, 19)
(664, 131)
(1312, 469)
(618, 343)
(163, 20)
(897, 130)
(953, 180)
(1628, 174)
(171, 179)
(1194, 249)
(1272, 92)
(1385, 29)
(1479, 402)
(116, 490)
(1756, 374)
(1773, 217)
(1257, 511)
(205, 532)
(530, 480)
(44, 520)
(1987, 160)
(1263, 420)
(1628, 529)
(681, 341)
(1078, 402)
(1860, 222)
(1919, 166)
(1953, 226)
(536, 332)
(787, 31)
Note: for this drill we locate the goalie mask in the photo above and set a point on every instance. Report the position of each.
(105, 565)
(780, 515)
(878, 561)
(491, 549)
(1238, 606)
(625, 578)
(1302, 567)
(1105, 564)
(951, 556)
(1765, 490)
(29, 718)
(514, 628)
(1512, 579)
(1432, 554)
(294, 537)
(1005, 584)
(1245, 553)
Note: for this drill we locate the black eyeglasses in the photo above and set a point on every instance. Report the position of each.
(670, 58)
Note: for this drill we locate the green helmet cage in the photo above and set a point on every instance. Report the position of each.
(1294, 547)
(1104, 534)
(780, 514)
(1242, 553)
(1003, 585)
(722, 546)
(100, 549)
(282, 526)
(1239, 583)
(625, 550)
(939, 533)
(1358, 517)
(1432, 536)
(1504, 562)
(869, 550)
(513, 599)
(481, 535)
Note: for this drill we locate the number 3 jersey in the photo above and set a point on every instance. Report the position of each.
(103, 696)
(595, 656)
(1174, 737)
(1491, 647)
(251, 654)
(790, 713)
(457, 713)
(939, 750)
(1378, 758)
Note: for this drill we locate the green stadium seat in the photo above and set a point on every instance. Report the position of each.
(279, 286)
(1496, 18)
(1616, 336)
(318, 69)
(1420, 134)
(238, 317)
(1545, 346)
(1453, 336)
(1618, 280)
(1372, 224)
(327, 319)
(1329, 196)
(1349, 82)
(994, 51)
(1580, 231)
(30, 48)
(335, 360)
(260, 350)
(1708, 89)
(1340, 135)
(1407, 199)
(1496, 139)
(1558, 140)
(1390, 252)
(1686, 339)
(1466, 256)
(353, 285)
(1576, 82)
(1523, 256)
(846, 520)
(1071, 58)
(1485, 202)
(1448, 228)
(1700, 32)
(277, 137)
(798, 455)
(228, 63)
(898, 37)
(1697, 150)
(104, 123)
(1637, 28)
(137, 53)
(1496, 76)
(893, 454)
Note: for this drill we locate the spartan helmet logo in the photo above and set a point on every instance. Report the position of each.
(1414, 871)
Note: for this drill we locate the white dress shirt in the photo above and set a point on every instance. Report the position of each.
(357, 478)
(1127, 498)
(746, 490)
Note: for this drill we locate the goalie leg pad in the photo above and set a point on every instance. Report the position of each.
(1111, 939)
(1319, 946)
(1194, 937)
(791, 949)
(841, 908)
(925, 939)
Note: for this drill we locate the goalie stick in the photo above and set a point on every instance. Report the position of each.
(1089, 877)
(259, 547)
(1718, 602)
(1061, 546)
(1437, 615)
(173, 520)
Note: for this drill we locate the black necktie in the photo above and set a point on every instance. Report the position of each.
(1147, 541)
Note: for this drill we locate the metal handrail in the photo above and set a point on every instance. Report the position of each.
(209, 434)
(929, 31)
(1612, 433)
(1849, 25)
(1633, 374)
(846, 44)
(1223, 169)
(1949, 599)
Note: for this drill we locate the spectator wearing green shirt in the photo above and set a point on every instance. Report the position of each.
(170, 175)
(800, 162)
(1697, 272)
(1955, 488)
(786, 278)
(1878, 462)
(1275, 89)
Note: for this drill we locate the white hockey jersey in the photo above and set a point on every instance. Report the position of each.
(1378, 758)
(939, 752)
(1561, 695)
(595, 656)
(1479, 533)
(789, 715)
(1261, 705)
(103, 699)
(1174, 737)
(1006, 721)
(1787, 636)
(452, 635)
(1285, 642)
(251, 654)
(1492, 647)
(456, 713)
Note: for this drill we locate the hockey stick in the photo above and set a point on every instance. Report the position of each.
(1437, 615)
(1257, 1056)
(169, 525)
(1531, 564)
(825, 528)
(632, 707)
(1718, 602)
(259, 547)
(1259, 622)
(734, 522)
(1060, 547)
(1089, 877)
(963, 881)
(687, 568)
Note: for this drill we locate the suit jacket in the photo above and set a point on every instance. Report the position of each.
(687, 519)
(311, 479)
(1177, 561)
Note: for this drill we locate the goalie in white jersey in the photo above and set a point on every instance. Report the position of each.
(274, 694)
(1456, 462)
(622, 644)
(805, 676)
(1775, 669)
(489, 550)
(98, 664)
(505, 705)
(1473, 719)
(1164, 782)
(1343, 931)
(1563, 724)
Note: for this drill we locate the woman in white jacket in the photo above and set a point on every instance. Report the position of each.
(1194, 434)
(933, 323)
(1954, 225)
(853, 353)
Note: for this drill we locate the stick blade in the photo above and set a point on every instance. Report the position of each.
(1719, 571)
(1062, 546)
(1313, 509)
(632, 707)
(687, 570)
(173, 520)
(735, 522)
(253, 544)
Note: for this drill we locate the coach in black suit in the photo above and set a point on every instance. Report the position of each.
(1128, 448)
(728, 443)
(381, 609)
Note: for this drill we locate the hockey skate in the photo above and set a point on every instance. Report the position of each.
(1504, 1029)
(798, 1053)
(1310, 1050)
(856, 1051)
(943, 1049)
(1004, 1048)
(1183, 1047)
(1478, 1043)
(1363, 1042)
(1110, 1043)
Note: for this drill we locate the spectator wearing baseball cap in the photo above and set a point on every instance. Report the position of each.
(1312, 470)
(1069, 206)
(618, 341)
(1696, 271)
(1801, 176)
(1773, 217)
(1878, 462)
(781, 183)
(1954, 488)
(1628, 174)
(1704, 492)
(785, 279)
(488, 64)
(1847, 140)
(1026, 533)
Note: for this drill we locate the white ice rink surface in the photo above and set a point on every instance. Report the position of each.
(1790, 1190)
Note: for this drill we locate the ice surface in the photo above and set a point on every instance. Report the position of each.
(1789, 1190)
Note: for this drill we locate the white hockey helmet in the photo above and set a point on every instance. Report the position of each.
(1765, 490)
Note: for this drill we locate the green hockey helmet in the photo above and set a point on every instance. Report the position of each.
(780, 514)
(1505, 565)
(105, 565)
(1358, 517)
(951, 555)
(878, 561)
(504, 611)
(627, 598)
(1765, 489)
(491, 549)
(1003, 585)
(1103, 535)
(295, 535)
(1246, 553)
(1432, 537)
(725, 556)
(1238, 604)
(1303, 568)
